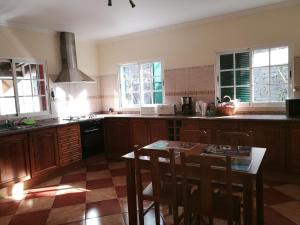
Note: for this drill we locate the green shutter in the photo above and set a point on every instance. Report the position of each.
(227, 78)
(242, 60)
(226, 62)
(227, 91)
(242, 77)
(243, 94)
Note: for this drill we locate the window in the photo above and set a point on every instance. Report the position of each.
(254, 76)
(22, 88)
(141, 84)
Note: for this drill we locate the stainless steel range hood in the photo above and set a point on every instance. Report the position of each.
(70, 73)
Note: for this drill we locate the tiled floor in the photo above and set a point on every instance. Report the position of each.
(96, 195)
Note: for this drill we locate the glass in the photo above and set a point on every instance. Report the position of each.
(24, 87)
(261, 93)
(147, 86)
(226, 62)
(279, 74)
(242, 60)
(6, 70)
(260, 75)
(260, 58)
(227, 91)
(7, 88)
(39, 103)
(7, 106)
(22, 71)
(33, 70)
(227, 78)
(147, 98)
(157, 70)
(243, 94)
(278, 93)
(157, 86)
(279, 56)
(158, 97)
(136, 98)
(128, 99)
(242, 77)
(26, 104)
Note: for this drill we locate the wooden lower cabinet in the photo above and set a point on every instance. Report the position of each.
(146, 131)
(116, 134)
(69, 144)
(272, 136)
(293, 148)
(14, 159)
(195, 131)
(43, 151)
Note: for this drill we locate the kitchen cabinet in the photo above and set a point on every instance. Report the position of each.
(270, 135)
(14, 159)
(69, 144)
(43, 151)
(293, 147)
(195, 131)
(146, 131)
(116, 136)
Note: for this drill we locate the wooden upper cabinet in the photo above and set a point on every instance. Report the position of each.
(195, 131)
(43, 151)
(139, 133)
(269, 135)
(293, 148)
(157, 130)
(14, 159)
(116, 134)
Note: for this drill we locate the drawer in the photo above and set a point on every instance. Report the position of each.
(190, 124)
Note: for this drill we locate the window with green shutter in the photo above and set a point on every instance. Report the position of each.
(141, 84)
(255, 76)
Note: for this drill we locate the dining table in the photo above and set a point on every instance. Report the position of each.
(250, 178)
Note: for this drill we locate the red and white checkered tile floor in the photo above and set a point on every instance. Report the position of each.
(96, 195)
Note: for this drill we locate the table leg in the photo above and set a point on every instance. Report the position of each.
(248, 201)
(259, 197)
(131, 193)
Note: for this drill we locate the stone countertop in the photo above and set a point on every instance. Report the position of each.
(58, 122)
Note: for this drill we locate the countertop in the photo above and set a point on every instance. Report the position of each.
(59, 122)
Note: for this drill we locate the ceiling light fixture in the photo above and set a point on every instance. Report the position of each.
(130, 1)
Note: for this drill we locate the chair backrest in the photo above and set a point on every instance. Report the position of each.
(234, 138)
(204, 171)
(159, 163)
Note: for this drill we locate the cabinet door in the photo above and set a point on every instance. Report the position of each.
(191, 131)
(43, 151)
(269, 135)
(293, 151)
(157, 130)
(117, 135)
(14, 159)
(139, 133)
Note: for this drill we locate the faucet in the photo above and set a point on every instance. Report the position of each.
(14, 123)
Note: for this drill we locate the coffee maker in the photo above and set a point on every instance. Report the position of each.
(186, 105)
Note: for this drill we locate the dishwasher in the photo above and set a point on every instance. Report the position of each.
(92, 137)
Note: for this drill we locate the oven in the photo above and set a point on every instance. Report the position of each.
(92, 137)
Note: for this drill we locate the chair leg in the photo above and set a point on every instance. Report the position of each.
(141, 212)
(175, 214)
(157, 213)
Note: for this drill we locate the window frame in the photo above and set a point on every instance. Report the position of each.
(13, 61)
(139, 63)
(252, 104)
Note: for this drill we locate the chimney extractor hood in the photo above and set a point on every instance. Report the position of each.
(69, 72)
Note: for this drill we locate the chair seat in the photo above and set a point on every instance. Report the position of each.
(219, 201)
(166, 194)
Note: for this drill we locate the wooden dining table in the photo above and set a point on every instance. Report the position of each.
(247, 178)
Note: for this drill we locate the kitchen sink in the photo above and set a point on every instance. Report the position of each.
(19, 127)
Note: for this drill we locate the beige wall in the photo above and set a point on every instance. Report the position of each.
(21, 43)
(196, 44)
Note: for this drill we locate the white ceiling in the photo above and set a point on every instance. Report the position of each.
(93, 19)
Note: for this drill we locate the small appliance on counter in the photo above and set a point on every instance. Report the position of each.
(186, 105)
(148, 110)
(201, 107)
(166, 109)
(292, 107)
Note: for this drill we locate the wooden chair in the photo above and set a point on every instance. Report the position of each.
(203, 201)
(234, 138)
(160, 190)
